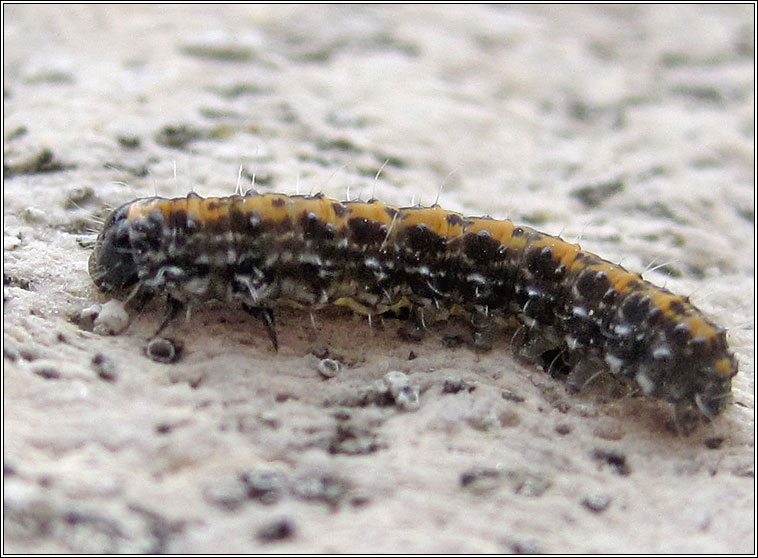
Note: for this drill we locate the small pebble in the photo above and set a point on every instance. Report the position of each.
(87, 316)
(328, 367)
(360, 500)
(527, 546)
(509, 395)
(33, 215)
(112, 319)
(46, 371)
(277, 530)
(481, 481)
(455, 385)
(563, 429)
(265, 486)
(78, 196)
(615, 459)
(597, 502)
(612, 432)
(11, 242)
(406, 396)
(105, 368)
(714, 443)
(527, 483)
(226, 491)
(319, 487)
(163, 350)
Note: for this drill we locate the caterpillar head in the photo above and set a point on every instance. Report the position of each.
(111, 264)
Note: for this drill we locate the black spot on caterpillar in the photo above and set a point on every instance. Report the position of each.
(265, 249)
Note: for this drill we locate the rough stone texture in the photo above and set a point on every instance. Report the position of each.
(630, 128)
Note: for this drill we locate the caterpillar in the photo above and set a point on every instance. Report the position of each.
(309, 250)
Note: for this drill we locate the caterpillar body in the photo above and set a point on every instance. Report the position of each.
(263, 249)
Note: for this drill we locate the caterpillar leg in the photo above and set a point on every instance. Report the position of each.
(413, 328)
(162, 349)
(173, 307)
(484, 331)
(266, 315)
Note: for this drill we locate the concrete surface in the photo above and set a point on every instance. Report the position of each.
(629, 128)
